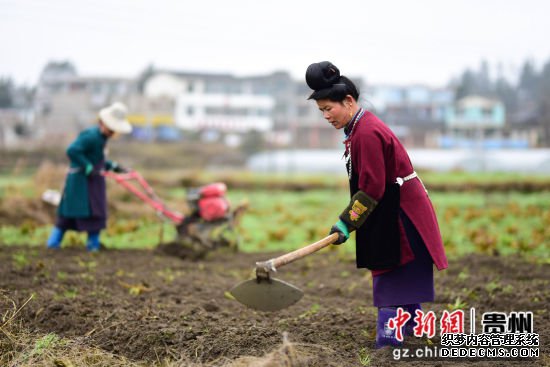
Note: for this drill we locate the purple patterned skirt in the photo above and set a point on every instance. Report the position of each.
(410, 283)
(91, 224)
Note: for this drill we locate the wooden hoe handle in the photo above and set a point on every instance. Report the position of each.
(273, 264)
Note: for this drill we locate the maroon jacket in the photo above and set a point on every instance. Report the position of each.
(378, 158)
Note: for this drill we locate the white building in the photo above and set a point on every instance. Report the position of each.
(214, 102)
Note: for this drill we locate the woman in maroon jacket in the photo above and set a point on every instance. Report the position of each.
(397, 234)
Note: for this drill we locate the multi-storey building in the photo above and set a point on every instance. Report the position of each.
(66, 103)
(415, 113)
(224, 103)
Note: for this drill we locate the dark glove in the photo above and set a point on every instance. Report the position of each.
(343, 232)
(117, 168)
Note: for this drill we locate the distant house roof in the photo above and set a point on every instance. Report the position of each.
(100, 78)
(221, 77)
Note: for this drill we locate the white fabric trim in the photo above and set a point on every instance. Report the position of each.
(402, 180)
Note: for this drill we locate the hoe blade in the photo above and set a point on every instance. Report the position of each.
(266, 294)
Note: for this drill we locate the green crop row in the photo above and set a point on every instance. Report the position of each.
(499, 223)
(281, 220)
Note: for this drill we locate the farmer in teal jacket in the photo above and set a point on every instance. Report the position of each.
(83, 205)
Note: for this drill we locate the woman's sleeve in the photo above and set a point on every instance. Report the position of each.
(368, 159)
(78, 148)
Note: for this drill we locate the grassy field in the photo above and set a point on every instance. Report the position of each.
(502, 222)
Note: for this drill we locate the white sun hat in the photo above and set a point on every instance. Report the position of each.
(114, 117)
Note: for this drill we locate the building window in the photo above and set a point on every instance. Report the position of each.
(263, 112)
(228, 111)
(213, 88)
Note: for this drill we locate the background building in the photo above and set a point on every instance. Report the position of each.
(65, 102)
(415, 113)
(479, 122)
(262, 111)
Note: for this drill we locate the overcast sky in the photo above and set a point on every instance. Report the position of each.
(400, 41)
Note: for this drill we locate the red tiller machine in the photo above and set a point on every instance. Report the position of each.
(209, 225)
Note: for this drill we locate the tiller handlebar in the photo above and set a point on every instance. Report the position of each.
(146, 193)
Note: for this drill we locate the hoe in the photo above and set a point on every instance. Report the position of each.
(265, 293)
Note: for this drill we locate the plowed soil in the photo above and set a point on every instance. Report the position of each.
(148, 306)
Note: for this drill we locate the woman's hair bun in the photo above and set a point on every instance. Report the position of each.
(322, 75)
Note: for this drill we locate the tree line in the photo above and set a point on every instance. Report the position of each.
(526, 99)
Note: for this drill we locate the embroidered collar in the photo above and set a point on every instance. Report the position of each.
(351, 124)
(348, 130)
(350, 127)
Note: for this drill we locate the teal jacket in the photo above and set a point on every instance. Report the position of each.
(88, 148)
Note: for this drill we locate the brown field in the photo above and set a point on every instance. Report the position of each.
(145, 308)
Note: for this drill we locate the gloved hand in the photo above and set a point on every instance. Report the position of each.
(343, 232)
(117, 168)
(88, 169)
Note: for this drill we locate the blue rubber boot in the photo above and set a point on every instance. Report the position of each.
(93, 242)
(384, 335)
(409, 326)
(56, 236)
